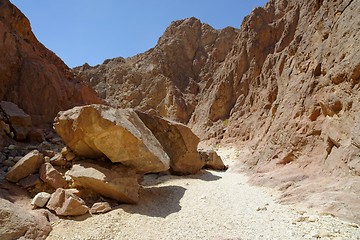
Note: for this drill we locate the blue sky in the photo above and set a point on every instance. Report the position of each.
(80, 31)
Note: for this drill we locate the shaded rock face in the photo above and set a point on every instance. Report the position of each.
(93, 131)
(179, 142)
(19, 120)
(32, 76)
(285, 86)
(169, 78)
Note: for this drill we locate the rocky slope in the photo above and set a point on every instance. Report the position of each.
(284, 88)
(32, 76)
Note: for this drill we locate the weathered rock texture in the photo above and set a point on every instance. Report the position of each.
(32, 76)
(118, 183)
(17, 223)
(65, 203)
(285, 86)
(27, 165)
(97, 130)
(18, 119)
(179, 142)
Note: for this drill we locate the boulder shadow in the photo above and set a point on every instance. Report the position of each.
(157, 201)
(205, 175)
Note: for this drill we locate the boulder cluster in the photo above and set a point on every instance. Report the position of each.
(98, 156)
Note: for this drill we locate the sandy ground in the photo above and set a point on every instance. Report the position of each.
(209, 205)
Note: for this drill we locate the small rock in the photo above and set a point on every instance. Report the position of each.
(100, 207)
(65, 203)
(58, 160)
(36, 136)
(8, 163)
(46, 159)
(30, 181)
(40, 199)
(312, 218)
(29, 164)
(52, 176)
(49, 153)
(323, 233)
(2, 157)
(19, 120)
(70, 156)
(261, 209)
(212, 160)
(17, 158)
(11, 147)
(45, 145)
(354, 225)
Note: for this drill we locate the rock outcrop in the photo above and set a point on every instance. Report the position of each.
(32, 76)
(92, 131)
(284, 87)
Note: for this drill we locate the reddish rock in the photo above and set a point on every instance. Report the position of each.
(100, 207)
(52, 176)
(19, 120)
(65, 203)
(36, 136)
(32, 76)
(29, 164)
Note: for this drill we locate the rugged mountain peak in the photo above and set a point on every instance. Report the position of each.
(167, 79)
(32, 76)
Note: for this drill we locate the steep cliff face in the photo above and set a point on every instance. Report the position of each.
(170, 79)
(284, 88)
(31, 75)
(296, 111)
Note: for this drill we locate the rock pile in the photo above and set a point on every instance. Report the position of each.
(108, 151)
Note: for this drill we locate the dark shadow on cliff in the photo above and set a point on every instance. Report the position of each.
(157, 201)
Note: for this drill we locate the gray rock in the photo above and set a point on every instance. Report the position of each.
(40, 199)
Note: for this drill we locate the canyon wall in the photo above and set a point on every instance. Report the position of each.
(31, 75)
(284, 88)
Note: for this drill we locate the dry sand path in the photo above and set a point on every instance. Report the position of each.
(210, 205)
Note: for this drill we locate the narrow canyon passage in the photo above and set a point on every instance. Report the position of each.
(209, 205)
